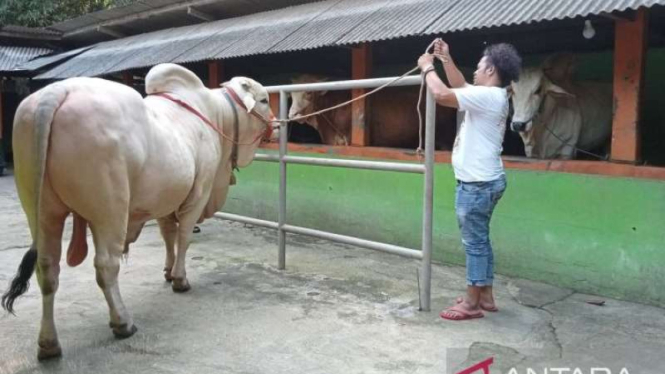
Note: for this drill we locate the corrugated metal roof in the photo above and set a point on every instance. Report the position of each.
(402, 18)
(325, 23)
(11, 57)
(36, 31)
(474, 14)
(41, 62)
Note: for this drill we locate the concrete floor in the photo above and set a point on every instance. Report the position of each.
(335, 309)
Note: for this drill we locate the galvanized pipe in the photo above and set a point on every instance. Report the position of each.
(343, 163)
(410, 80)
(247, 220)
(356, 164)
(266, 157)
(283, 133)
(388, 248)
(425, 254)
(428, 201)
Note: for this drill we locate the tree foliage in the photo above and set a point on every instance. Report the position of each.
(40, 13)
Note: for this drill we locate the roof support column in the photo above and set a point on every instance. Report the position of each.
(361, 68)
(215, 73)
(629, 61)
(2, 116)
(128, 78)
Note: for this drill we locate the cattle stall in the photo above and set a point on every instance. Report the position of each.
(592, 224)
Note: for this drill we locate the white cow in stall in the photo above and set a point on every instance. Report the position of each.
(98, 150)
(555, 118)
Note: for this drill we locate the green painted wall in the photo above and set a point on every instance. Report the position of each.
(594, 234)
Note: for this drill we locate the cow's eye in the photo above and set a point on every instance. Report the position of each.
(539, 90)
(264, 101)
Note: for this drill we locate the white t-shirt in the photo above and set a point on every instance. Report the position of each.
(478, 146)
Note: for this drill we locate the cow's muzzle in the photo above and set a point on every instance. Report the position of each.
(518, 126)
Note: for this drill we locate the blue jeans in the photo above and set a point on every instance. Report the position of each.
(474, 204)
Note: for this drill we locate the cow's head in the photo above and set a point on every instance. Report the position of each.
(254, 120)
(528, 97)
(302, 103)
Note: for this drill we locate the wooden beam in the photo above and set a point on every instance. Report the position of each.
(199, 14)
(520, 163)
(274, 104)
(2, 116)
(629, 60)
(110, 32)
(623, 16)
(361, 68)
(128, 78)
(215, 73)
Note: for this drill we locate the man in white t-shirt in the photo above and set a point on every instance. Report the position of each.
(476, 160)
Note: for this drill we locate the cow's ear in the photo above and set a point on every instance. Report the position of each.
(558, 91)
(249, 101)
(320, 93)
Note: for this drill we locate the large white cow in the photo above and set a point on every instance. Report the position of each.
(97, 150)
(554, 119)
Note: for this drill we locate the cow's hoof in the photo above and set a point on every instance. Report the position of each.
(49, 351)
(122, 331)
(180, 285)
(167, 275)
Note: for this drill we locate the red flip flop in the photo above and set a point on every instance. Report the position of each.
(455, 313)
(494, 309)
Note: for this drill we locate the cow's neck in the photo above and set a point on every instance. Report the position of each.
(226, 123)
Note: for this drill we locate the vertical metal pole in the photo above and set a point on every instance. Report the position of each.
(426, 266)
(283, 134)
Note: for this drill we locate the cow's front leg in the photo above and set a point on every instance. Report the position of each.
(168, 226)
(109, 246)
(178, 274)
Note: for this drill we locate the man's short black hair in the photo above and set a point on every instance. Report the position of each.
(506, 61)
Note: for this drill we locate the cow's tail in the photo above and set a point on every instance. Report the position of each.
(32, 173)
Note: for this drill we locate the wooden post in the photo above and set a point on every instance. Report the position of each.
(215, 73)
(2, 117)
(274, 104)
(361, 68)
(629, 60)
(128, 78)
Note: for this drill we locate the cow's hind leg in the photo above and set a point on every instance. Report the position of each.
(109, 237)
(169, 229)
(52, 220)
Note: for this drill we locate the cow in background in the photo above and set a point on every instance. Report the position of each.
(555, 115)
(392, 117)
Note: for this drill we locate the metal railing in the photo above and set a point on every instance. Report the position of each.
(425, 254)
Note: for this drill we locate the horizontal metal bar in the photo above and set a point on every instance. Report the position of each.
(266, 157)
(410, 80)
(388, 248)
(248, 220)
(343, 163)
(356, 164)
